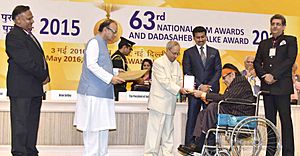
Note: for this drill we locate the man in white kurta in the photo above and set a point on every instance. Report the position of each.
(95, 112)
(166, 84)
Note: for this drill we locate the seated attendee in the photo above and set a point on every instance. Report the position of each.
(237, 87)
(254, 81)
(248, 63)
(143, 83)
(250, 74)
(296, 84)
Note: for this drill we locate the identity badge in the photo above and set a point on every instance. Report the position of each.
(272, 52)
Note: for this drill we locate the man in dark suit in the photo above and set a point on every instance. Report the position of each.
(119, 61)
(238, 87)
(27, 72)
(273, 64)
(204, 63)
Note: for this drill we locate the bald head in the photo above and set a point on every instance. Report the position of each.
(248, 62)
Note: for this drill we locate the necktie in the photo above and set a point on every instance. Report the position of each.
(36, 42)
(203, 57)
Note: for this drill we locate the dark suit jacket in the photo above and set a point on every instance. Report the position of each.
(280, 65)
(26, 71)
(239, 88)
(210, 74)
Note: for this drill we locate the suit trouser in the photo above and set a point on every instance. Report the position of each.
(95, 143)
(160, 134)
(281, 103)
(207, 119)
(194, 106)
(25, 116)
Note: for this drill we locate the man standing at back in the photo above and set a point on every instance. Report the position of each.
(273, 64)
(26, 75)
(119, 61)
(204, 63)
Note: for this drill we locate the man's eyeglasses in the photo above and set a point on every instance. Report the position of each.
(175, 53)
(113, 31)
(223, 77)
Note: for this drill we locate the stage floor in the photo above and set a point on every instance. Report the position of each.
(58, 136)
(115, 150)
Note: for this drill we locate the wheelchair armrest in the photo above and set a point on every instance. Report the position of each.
(263, 92)
(237, 101)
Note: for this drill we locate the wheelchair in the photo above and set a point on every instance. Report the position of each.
(242, 135)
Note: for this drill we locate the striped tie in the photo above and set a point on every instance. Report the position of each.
(203, 57)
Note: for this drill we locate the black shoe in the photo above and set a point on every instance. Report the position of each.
(189, 149)
(185, 150)
(195, 148)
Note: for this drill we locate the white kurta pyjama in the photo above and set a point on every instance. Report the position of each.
(94, 113)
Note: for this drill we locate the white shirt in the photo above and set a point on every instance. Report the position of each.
(204, 50)
(92, 53)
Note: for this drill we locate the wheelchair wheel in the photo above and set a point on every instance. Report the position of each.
(221, 153)
(207, 152)
(213, 152)
(224, 153)
(255, 136)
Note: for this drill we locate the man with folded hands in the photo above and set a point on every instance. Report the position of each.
(273, 63)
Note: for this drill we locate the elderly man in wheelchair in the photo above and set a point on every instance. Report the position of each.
(238, 88)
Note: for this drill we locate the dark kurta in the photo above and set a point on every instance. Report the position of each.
(239, 88)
